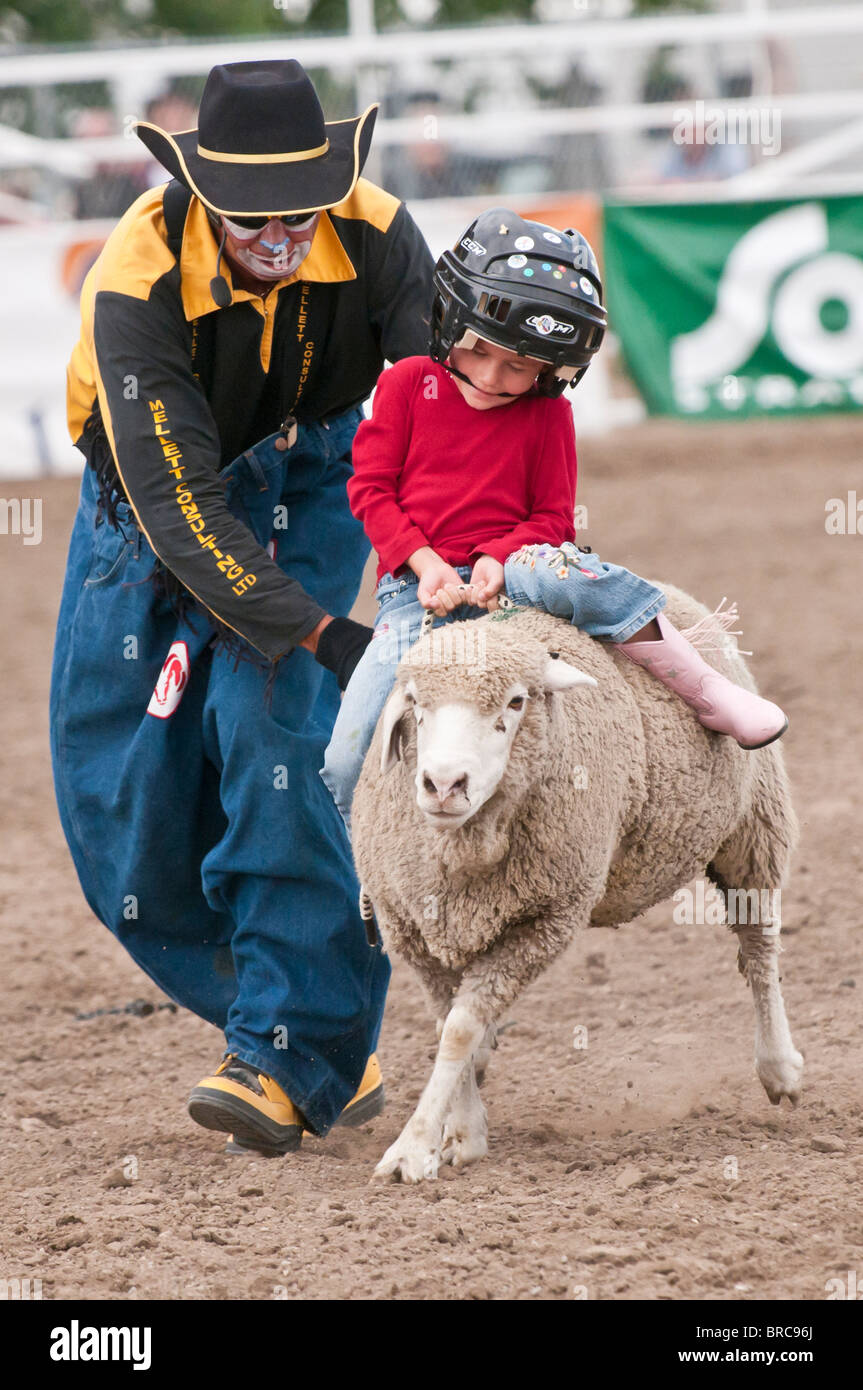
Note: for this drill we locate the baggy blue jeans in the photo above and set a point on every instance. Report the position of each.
(205, 841)
(604, 600)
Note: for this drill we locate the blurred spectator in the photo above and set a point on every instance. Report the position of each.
(663, 83)
(111, 187)
(423, 168)
(578, 161)
(173, 111)
(700, 150)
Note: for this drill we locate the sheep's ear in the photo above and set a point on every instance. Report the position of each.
(395, 708)
(559, 675)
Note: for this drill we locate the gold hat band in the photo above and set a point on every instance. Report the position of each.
(264, 158)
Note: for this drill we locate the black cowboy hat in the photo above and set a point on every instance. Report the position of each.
(262, 144)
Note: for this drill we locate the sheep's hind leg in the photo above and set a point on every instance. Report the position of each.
(419, 1150)
(778, 1063)
(749, 869)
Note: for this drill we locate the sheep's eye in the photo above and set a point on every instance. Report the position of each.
(516, 702)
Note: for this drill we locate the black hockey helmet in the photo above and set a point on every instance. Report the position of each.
(525, 287)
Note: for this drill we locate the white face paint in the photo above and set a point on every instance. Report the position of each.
(463, 751)
(273, 251)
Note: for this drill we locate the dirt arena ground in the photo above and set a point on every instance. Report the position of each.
(611, 1171)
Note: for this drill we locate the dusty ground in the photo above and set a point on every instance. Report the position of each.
(611, 1168)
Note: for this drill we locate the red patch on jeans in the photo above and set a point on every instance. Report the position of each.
(173, 679)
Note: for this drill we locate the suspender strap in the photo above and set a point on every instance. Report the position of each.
(175, 205)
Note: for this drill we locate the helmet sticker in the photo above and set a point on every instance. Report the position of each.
(516, 262)
(553, 237)
(524, 243)
(473, 246)
(545, 324)
(586, 285)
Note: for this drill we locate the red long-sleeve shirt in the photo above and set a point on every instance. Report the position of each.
(429, 469)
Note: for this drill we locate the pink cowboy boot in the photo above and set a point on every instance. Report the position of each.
(718, 702)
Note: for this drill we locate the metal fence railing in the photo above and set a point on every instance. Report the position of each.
(501, 110)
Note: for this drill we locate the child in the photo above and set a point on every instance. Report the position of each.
(464, 479)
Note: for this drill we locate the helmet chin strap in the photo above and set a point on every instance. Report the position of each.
(461, 376)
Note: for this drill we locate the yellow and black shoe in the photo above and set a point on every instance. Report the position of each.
(244, 1102)
(366, 1104)
(369, 1099)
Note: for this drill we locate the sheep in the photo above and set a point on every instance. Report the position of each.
(526, 781)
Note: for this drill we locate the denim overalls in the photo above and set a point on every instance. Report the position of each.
(205, 840)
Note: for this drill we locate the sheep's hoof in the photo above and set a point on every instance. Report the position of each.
(408, 1162)
(463, 1148)
(782, 1077)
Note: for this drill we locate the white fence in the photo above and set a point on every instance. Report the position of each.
(507, 144)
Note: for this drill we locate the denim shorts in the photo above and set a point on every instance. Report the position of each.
(603, 600)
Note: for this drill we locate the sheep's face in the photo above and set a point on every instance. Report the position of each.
(464, 744)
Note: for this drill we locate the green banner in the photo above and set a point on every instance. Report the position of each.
(746, 308)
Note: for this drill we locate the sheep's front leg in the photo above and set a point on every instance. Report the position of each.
(418, 1151)
(488, 987)
(778, 1063)
(483, 1052)
(465, 1134)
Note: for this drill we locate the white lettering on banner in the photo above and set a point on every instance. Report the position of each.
(774, 391)
(791, 243)
(796, 321)
(739, 320)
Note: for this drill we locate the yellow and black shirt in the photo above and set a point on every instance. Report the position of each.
(180, 387)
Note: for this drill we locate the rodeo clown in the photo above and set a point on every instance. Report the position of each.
(198, 663)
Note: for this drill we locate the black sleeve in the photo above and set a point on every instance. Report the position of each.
(400, 289)
(166, 448)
